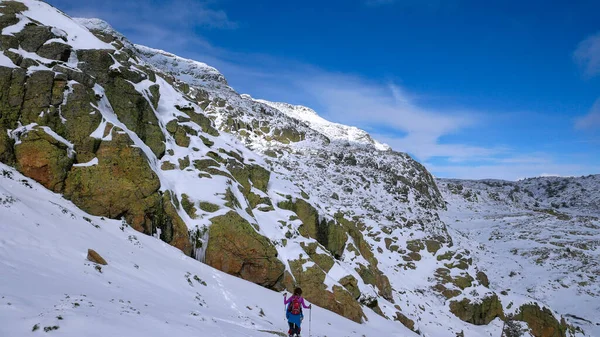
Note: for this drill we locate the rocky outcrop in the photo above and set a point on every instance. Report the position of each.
(43, 158)
(541, 321)
(81, 118)
(121, 184)
(478, 313)
(311, 279)
(236, 248)
(407, 322)
(328, 233)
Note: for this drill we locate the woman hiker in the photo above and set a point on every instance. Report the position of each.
(294, 311)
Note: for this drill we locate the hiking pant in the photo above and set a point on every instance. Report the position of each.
(294, 322)
(294, 329)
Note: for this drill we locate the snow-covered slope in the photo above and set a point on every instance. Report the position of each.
(538, 237)
(148, 288)
(264, 191)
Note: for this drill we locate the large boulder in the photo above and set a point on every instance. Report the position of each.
(55, 51)
(120, 184)
(236, 248)
(43, 158)
(93, 256)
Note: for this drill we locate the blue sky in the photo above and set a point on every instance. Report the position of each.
(496, 89)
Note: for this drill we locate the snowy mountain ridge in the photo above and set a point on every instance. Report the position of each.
(332, 130)
(163, 146)
(200, 74)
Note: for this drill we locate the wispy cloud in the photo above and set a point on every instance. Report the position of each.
(154, 23)
(591, 120)
(410, 127)
(587, 55)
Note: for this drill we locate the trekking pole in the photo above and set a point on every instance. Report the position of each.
(284, 308)
(309, 321)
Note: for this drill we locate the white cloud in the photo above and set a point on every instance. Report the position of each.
(587, 55)
(411, 127)
(162, 25)
(591, 120)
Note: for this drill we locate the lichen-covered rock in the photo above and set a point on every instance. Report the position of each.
(154, 94)
(12, 92)
(77, 76)
(433, 246)
(7, 154)
(81, 119)
(462, 281)
(121, 184)
(482, 278)
(135, 112)
(188, 206)
(415, 245)
(208, 207)
(9, 8)
(33, 36)
(38, 96)
(325, 261)
(312, 278)
(351, 284)
(353, 228)
(328, 233)
(541, 321)
(236, 248)
(372, 275)
(288, 135)
(478, 313)
(204, 122)
(447, 293)
(55, 51)
(173, 230)
(96, 63)
(167, 166)
(407, 322)
(249, 175)
(43, 158)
